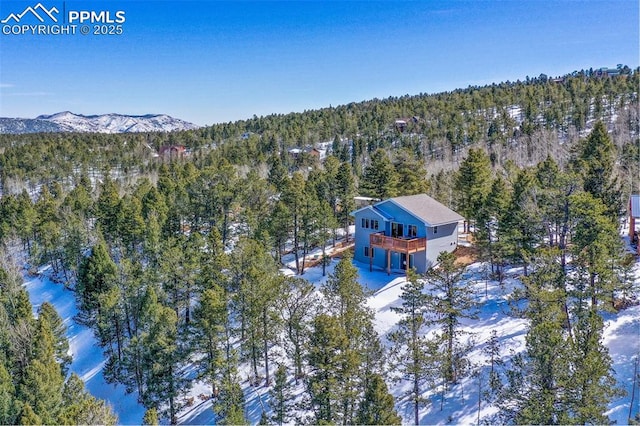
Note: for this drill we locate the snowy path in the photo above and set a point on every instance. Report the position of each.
(87, 355)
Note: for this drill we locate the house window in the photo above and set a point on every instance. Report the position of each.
(374, 224)
(362, 222)
(367, 223)
(412, 231)
(435, 229)
(368, 251)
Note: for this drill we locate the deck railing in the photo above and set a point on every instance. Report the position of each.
(403, 245)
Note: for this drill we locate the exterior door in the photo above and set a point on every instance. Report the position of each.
(404, 262)
(397, 230)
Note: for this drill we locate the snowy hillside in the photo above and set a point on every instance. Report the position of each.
(107, 123)
(460, 404)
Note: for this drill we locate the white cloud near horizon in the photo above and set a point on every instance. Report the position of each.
(29, 94)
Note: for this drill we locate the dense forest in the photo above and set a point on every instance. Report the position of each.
(174, 259)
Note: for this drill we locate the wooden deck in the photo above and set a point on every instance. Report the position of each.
(402, 245)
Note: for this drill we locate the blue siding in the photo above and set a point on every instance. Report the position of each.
(362, 237)
(401, 216)
(445, 239)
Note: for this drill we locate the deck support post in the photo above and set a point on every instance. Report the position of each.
(388, 262)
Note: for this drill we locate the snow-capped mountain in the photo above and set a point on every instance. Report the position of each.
(107, 123)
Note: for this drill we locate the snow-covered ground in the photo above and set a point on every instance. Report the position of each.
(87, 355)
(460, 405)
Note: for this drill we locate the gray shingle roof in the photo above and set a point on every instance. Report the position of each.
(426, 208)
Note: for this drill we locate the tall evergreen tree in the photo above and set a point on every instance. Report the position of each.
(296, 307)
(327, 348)
(412, 354)
(281, 397)
(411, 172)
(164, 356)
(380, 179)
(80, 407)
(346, 192)
(59, 330)
(449, 300)
(346, 299)
(211, 318)
(595, 161)
(42, 384)
(97, 275)
(596, 252)
(377, 406)
(473, 183)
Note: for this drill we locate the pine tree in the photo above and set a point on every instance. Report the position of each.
(41, 386)
(345, 192)
(596, 251)
(150, 417)
(107, 207)
(29, 417)
(448, 301)
(293, 195)
(380, 179)
(327, 347)
(521, 227)
(538, 377)
(594, 161)
(377, 406)
(492, 352)
(279, 228)
(80, 407)
(210, 322)
(280, 397)
(411, 352)
(59, 330)
(490, 226)
(230, 404)
(473, 182)
(296, 306)
(346, 299)
(258, 286)
(97, 275)
(411, 172)
(9, 408)
(592, 385)
(164, 356)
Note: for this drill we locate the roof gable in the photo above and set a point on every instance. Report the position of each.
(425, 209)
(373, 210)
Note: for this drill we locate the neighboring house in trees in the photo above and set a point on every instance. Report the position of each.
(405, 232)
(172, 151)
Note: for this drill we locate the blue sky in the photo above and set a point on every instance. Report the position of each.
(212, 61)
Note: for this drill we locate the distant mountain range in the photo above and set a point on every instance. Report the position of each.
(107, 123)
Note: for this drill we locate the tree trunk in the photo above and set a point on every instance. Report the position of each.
(266, 345)
(254, 355)
(416, 396)
(295, 242)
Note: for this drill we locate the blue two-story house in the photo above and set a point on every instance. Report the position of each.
(405, 232)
